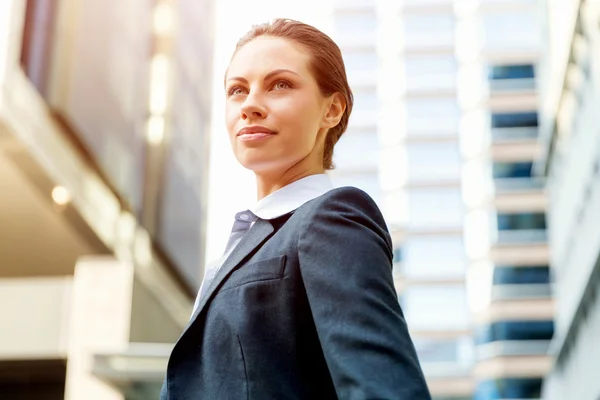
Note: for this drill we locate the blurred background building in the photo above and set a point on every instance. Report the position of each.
(505, 226)
(104, 139)
(446, 123)
(420, 172)
(473, 120)
(570, 138)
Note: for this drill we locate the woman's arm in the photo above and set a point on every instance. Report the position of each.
(345, 259)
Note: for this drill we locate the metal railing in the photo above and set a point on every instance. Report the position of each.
(509, 85)
(512, 348)
(521, 291)
(510, 134)
(508, 185)
(522, 236)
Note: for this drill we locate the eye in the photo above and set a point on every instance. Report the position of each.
(236, 91)
(281, 85)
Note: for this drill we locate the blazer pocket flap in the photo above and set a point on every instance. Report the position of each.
(263, 270)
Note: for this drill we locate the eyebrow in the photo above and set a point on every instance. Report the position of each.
(269, 75)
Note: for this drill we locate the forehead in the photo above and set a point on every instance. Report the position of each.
(265, 54)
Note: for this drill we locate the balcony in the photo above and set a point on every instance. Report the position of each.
(517, 386)
(521, 236)
(446, 370)
(138, 371)
(526, 226)
(515, 329)
(503, 86)
(521, 291)
(514, 133)
(512, 348)
(518, 78)
(511, 185)
(521, 274)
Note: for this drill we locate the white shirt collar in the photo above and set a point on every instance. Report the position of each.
(292, 196)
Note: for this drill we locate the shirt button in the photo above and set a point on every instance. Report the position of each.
(244, 217)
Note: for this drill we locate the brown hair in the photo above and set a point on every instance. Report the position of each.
(326, 65)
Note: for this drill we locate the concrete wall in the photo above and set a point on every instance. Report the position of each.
(34, 316)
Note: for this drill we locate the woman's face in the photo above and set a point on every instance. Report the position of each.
(276, 116)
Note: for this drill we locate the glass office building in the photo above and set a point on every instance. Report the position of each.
(354, 27)
(444, 136)
(421, 178)
(505, 227)
(104, 121)
(570, 162)
(410, 164)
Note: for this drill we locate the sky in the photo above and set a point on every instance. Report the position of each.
(231, 187)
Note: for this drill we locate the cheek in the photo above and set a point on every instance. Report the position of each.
(302, 118)
(231, 118)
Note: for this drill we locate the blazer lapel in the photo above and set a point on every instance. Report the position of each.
(259, 232)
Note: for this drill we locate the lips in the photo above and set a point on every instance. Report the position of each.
(254, 133)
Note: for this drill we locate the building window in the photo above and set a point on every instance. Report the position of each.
(421, 306)
(499, 72)
(521, 221)
(435, 208)
(38, 42)
(448, 259)
(444, 351)
(428, 30)
(516, 31)
(521, 169)
(430, 72)
(514, 330)
(509, 388)
(397, 255)
(352, 143)
(511, 275)
(354, 24)
(357, 60)
(365, 100)
(419, 121)
(434, 162)
(511, 77)
(515, 120)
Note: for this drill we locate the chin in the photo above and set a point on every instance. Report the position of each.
(261, 165)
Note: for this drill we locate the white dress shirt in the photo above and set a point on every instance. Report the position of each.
(276, 204)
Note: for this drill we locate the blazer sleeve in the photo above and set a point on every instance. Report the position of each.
(345, 256)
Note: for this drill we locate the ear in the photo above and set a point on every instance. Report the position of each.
(336, 105)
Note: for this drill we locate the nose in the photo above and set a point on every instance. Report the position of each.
(253, 108)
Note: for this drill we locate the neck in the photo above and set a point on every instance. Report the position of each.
(269, 182)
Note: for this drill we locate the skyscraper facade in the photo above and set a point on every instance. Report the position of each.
(505, 226)
(421, 177)
(446, 121)
(570, 139)
(104, 121)
(409, 161)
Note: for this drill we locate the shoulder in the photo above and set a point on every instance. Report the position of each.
(346, 194)
(343, 207)
(344, 220)
(344, 199)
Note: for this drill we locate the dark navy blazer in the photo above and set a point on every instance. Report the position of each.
(303, 308)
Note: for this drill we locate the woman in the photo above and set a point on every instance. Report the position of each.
(303, 306)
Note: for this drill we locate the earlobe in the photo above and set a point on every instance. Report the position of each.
(335, 111)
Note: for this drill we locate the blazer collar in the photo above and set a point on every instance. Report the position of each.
(292, 196)
(260, 231)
